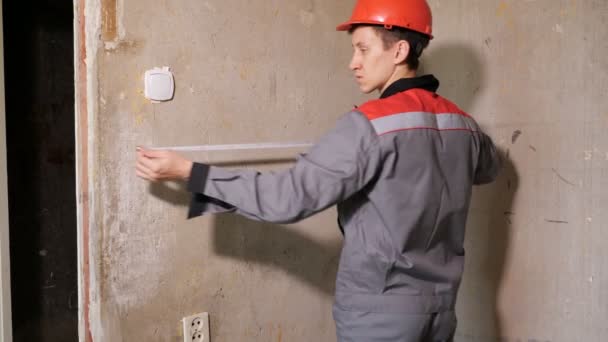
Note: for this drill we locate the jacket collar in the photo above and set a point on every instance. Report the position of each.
(426, 82)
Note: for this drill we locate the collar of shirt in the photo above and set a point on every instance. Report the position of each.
(426, 82)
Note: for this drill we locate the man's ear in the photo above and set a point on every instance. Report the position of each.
(402, 51)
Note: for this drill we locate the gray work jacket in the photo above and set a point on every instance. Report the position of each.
(401, 171)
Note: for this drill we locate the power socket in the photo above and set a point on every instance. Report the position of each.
(196, 328)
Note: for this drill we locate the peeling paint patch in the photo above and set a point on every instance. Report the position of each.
(112, 30)
(109, 26)
(502, 9)
(138, 104)
(307, 18)
(588, 155)
(122, 45)
(244, 72)
(209, 6)
(247, 70)
(568, 11)
(558, 28)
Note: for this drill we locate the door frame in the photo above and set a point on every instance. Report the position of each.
(6, 328)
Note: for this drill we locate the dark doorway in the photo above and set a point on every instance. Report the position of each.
(39, 80)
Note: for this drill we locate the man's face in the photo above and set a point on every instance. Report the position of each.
(372, 64)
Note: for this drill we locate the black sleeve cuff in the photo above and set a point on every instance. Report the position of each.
(198, 178)
(200, 203)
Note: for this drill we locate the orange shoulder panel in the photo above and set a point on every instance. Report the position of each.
(413, 100)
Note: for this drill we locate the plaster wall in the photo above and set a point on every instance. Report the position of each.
(533, 73)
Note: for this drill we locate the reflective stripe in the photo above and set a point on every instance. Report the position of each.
(423, 120)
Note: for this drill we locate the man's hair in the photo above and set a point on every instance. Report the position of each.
(417, 41)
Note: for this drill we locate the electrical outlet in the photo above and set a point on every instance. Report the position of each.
(196, 328)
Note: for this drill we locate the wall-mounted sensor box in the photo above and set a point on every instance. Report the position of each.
(159, 84)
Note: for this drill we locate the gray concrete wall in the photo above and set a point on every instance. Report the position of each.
(245, 72)
(532, 72)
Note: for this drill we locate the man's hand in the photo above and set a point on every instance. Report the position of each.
(156, 165)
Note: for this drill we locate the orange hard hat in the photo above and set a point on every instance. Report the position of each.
(410, 14)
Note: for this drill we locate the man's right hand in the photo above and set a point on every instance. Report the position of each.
(154, 165)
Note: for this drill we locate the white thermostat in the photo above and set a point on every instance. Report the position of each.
(159, 84)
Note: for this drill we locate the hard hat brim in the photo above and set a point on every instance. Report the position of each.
(349, 24)
(344, 26)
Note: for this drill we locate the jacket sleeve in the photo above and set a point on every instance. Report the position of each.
(340, 164)
(488, 163)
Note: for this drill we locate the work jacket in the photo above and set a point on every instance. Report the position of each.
(401, 170)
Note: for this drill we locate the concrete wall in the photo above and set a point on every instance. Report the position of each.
(532, 72)
(245, 72)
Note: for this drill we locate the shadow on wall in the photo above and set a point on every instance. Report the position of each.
(489, 232)
(175, 193)
(279, 246)
(498, 234)
(461, 72)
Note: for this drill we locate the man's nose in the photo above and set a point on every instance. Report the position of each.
(354, 64)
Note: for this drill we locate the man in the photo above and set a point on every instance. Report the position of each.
(400, 169)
